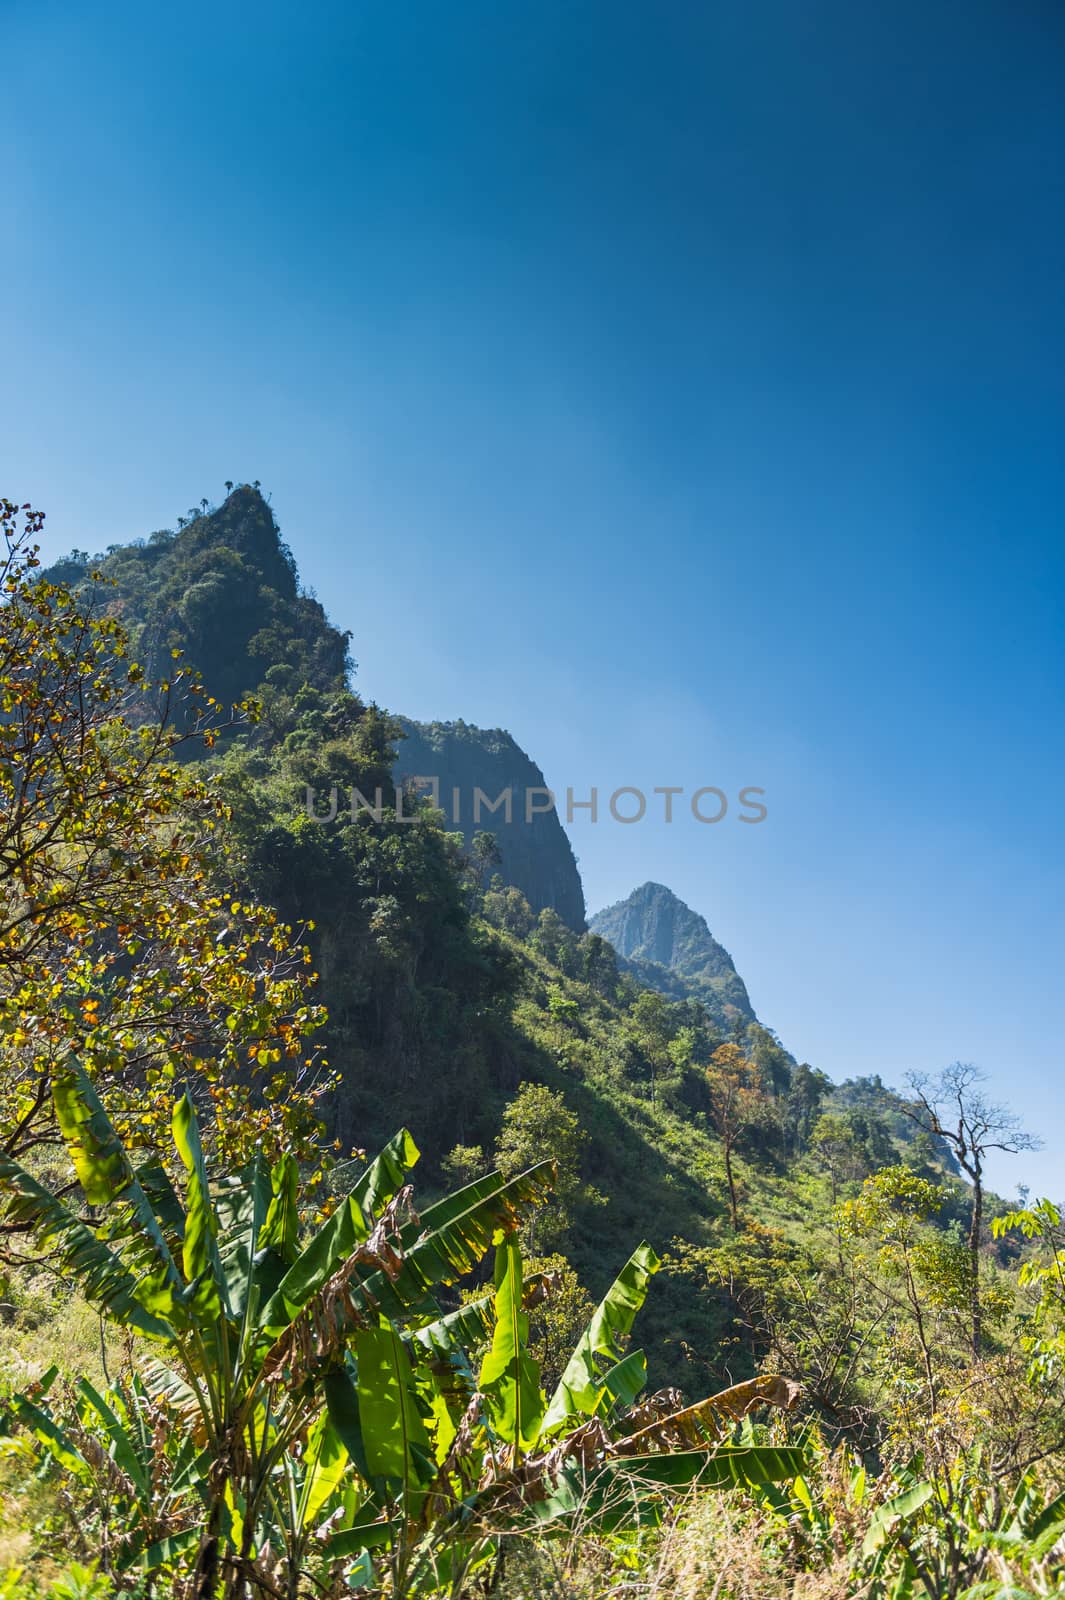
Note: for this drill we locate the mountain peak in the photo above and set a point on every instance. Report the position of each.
(670, 947)
(651, 890)
(244, 524)
(224, 589)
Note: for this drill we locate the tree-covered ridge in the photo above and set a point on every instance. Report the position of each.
(225, 590)
(423, 935)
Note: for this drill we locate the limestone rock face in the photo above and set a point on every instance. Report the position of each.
(536, 855)
(669, 947)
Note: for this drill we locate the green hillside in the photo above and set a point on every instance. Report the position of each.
(446, 991)
(239, 1008)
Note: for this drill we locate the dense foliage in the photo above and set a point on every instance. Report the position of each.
(268, 1371)
(122, 932)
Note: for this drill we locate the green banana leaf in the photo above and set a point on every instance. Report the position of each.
(281, 1225)
(206, 1294)
(510, 1377)
(325, 1460)
(330, 1247)
(393, 1433)
(1051, 1516)
(453, 1235)
(888, 1516)
(251, 1272)
(163, 1198)
(580, 1390)
(471, 1324)
(106, 1177)
(48, 1433)
(622, 1382)
(386, 1175)
(342, 1403)
(101, 1274)
(634, 1491)
(160, 1554)
(122, 1450)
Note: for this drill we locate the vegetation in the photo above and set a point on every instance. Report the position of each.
(304, 1401)
(121, 932)
(268, 1372)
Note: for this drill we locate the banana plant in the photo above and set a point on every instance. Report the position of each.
(961, 1534)
(122, 1449)
(283, 1362)
(945, 1536)
(589, 1451)
(305, 1401)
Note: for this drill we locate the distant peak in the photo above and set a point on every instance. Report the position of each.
(654, 926)
(650, 893)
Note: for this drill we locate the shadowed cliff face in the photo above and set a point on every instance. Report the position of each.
(536, 856)
(669, 947)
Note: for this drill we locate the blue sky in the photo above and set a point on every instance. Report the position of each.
(680, 387)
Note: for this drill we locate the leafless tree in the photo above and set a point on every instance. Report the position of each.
(953, 1107)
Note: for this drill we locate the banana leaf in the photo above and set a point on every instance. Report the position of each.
(393, 1433)
(580, 1390)
(510, 1378)
(107, 1178)
(207, 1294)
(325, 1460)
(102, 1276)
(386, 1175)
(453, 1235)
(330, 1247)
(122, 1450)
(471, 1324)
(888, 1516)
(47, 1433)
(281, 1225)
(635, 1491)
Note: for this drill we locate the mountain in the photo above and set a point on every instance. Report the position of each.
(225, 590)
(445, 995)
(669, 947)
(535, 855)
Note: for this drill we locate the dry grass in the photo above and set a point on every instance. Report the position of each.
(52, 1325)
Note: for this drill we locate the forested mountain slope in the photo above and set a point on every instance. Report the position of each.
(449, 988)
(224, 589)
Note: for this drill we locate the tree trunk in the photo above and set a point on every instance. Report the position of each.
(918, 1316)
(733, 1207)
(207, 1571)
(975, 1228)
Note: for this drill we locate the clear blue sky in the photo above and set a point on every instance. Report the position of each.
(678, 386)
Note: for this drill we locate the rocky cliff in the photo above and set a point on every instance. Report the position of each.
(668, 946)
(535, 853)
(224, 589)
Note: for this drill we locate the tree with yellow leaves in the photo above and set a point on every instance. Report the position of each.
(120, 936)
(732, 1080)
